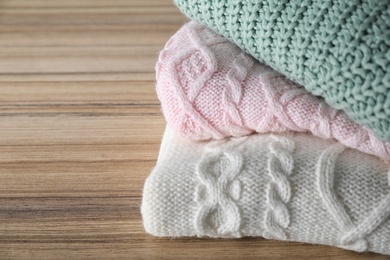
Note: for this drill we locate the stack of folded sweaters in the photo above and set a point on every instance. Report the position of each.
(278, 119)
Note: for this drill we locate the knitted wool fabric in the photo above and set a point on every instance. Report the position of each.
(336, 49)
(292, 187)
(208, 89)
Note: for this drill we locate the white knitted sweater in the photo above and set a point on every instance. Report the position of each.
(291, 187)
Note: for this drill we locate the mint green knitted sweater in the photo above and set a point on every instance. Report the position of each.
(336, 49)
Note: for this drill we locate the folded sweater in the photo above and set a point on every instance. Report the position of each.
(292, 187)
(209, 88)
(336, 49)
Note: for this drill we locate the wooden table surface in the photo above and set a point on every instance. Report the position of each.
(80, 128)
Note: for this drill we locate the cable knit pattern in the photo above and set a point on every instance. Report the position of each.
(337, 49)
(293, 187)
(280, 166)
(354, 235)
(218, 214)
(232, 95)
(209, 89)
(325, 168)
(186, 100)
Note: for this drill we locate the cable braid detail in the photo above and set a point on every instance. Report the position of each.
(278, 194)
(232, 95)
(218, 189)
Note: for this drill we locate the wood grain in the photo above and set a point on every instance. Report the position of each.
(80, 128)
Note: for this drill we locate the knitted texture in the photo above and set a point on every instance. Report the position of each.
(336, 49)
(292, 187)
(208, 89)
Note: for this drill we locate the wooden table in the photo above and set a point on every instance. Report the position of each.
(80, 128)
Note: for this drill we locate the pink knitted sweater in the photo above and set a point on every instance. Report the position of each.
(210, 89)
